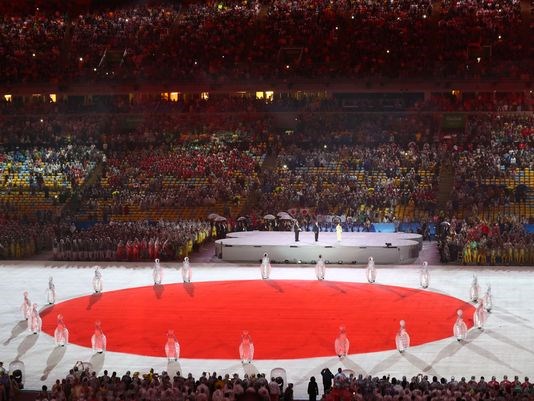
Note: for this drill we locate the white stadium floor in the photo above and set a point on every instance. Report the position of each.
(505, 347)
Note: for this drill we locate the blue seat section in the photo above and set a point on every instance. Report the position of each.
(383, 227)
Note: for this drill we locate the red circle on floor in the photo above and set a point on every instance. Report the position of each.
(286, 319)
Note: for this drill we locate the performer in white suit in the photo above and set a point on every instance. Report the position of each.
(246, 348)
(61, 334)
(371, 271)
(98, 339)
(51, 292)
(265, 267)
(186, 271)
(424, 279)
(488, 299)
(342, 343)
(157, 272)
(320, 268)
(481, 315)
(474, 290)
(26, 306)
(172, 348)
(34, 321)
(460, 328)
(97, 280)
(402, 339)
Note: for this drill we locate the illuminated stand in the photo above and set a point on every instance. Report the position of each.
(172, 348)
(98, 339)
(342, 343)
(246, 348)
(402, 339)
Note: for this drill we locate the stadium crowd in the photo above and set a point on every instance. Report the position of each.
(474, 241)
(343, 178)
(83, 384)
(276, 39)
(364, 168)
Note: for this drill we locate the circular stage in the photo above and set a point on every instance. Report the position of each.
(354, 247)
(287, 319)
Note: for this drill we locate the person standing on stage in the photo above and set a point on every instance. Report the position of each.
(316, 230)
(296, 230)
(339, 230)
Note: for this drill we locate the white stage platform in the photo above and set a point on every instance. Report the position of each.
(354, 247)
(505, 347)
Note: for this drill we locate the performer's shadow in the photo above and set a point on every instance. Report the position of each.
(17, 330)
(510, 317)
(330, 364)
(484, 352)
(97, 361)
(250, 369)
(53, 359)
(350, 364)
(190, 289)
(232, 368)
(173, 367)
(158, 290)
(419, 363)
(386, 364)
(448, 351)
(506, 340)
(93, 299)
(274, 284)
(26, 344)
(334, 286)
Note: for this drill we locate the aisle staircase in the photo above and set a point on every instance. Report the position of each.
(269, 165)
(446, 184)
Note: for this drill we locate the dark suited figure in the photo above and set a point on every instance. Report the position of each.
(316, 230)
(328, 376)
(296, 230)
(313, 389)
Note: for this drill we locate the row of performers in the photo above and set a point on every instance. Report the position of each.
(371, 274)
(246, 346)
(265, 271)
